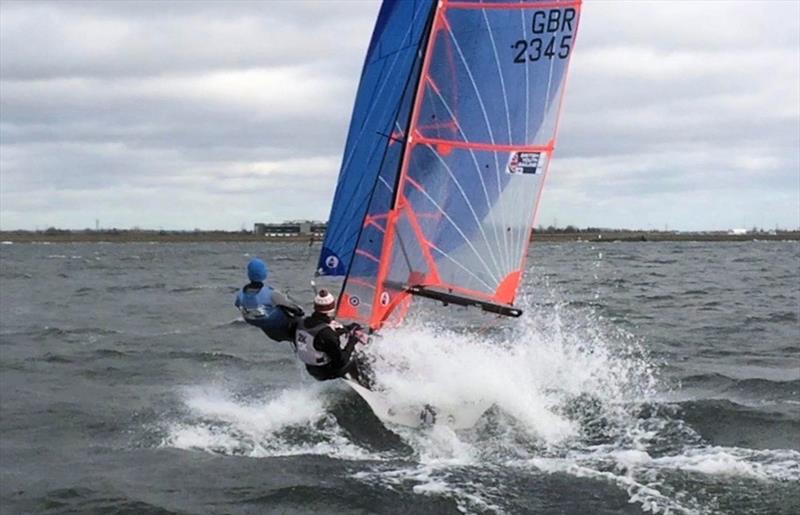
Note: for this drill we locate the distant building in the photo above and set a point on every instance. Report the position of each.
(291, 228)
(318, 228)
(737, 231)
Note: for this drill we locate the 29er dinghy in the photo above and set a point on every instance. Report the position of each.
(450, 140)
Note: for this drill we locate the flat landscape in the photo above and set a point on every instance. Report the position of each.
(611, 235)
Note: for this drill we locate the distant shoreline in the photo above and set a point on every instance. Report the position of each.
(119, 236)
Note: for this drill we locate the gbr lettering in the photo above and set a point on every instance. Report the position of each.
(554, 36)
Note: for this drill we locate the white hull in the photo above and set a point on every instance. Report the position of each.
(462, 416)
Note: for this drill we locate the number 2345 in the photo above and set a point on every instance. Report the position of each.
(536, 49)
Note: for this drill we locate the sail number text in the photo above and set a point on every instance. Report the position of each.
(547, 44)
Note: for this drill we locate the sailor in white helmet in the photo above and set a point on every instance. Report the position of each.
(325, 345)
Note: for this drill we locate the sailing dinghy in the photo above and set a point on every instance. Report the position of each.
(450, 141)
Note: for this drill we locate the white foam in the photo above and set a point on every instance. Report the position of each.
(528, 373)
(642, 492)
(221, 423)
(202, 437)
(531, 373)
(290, 407)
(644, 477)
(779, 465)
(433, 480)
(630, 458)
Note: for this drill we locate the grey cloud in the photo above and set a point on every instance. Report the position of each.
(187, 105)
(44, 40)
(699, 25)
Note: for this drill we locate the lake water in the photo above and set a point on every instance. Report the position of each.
(643, 377)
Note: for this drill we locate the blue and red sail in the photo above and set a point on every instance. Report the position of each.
(452, 133)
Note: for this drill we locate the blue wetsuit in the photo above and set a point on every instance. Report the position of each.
(269, 310)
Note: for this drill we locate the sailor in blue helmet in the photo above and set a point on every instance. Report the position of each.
(266, 308)
(326, 347)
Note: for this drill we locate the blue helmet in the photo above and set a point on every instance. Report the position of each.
(257, 270)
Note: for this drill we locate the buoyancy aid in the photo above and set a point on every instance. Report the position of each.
(256, 305)
(304, 344)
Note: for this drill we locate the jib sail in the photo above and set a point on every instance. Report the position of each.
(451, 203)
(380, 118)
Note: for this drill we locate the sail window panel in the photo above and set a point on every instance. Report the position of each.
(408, 264)
(513, 212)
(454, 196)
(355, 302)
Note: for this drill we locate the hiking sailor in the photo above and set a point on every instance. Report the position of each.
(324, 345)
(266, 308)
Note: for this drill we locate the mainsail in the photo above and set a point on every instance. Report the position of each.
(451, 137)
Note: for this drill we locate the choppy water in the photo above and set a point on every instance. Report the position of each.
(655, 377)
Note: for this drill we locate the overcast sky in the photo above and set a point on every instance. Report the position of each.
(215, 115)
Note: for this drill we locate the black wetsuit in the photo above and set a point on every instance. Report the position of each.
(327, 340)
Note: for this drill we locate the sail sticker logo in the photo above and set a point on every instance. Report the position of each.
(385, 298)
(332, 262)
(354, 301)
(526, 162)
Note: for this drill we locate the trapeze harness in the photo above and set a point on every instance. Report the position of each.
(304, 344)
(257, 306)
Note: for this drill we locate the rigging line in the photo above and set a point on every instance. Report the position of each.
(404, 251)
(527, 220)
(467, 270)
(365, 201)
(527, 84)
(361, 282)
(477, 167)
(357, 233)
(378, 94)
(455, 226)
(423, 56)
(500, 75)
(561, 88)
(347, 171)
(469, 205)
(383, 85)
(387, 242)
(383, 181)
(503, 209)
(508, 115)
(546, 106)
(411, 84)
(510, 141)
(488, 127)
(524, 206)
(545, 110)
(521, 233)
(472, 81)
